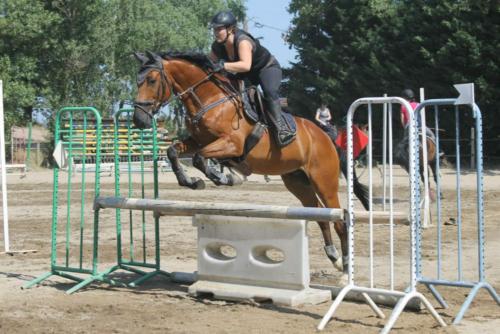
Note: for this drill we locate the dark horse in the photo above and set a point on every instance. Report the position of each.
(402, 156)
(218, 129)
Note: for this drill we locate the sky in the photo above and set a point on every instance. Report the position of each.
(269, 19)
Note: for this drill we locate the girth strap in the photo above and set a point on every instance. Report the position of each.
(251, 141)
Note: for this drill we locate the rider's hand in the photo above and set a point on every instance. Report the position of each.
(219, 66)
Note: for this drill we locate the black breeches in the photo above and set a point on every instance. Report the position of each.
(269, 79)
(331, 130)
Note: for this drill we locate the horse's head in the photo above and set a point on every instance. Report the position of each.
(153, 89)
(186, 72)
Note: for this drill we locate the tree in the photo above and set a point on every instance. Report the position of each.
(23, 41)
(454, 42)
(340, 45)
(71, 52)
(351, 49)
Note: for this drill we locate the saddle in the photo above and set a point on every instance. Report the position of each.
(253, 105)
(253, 110)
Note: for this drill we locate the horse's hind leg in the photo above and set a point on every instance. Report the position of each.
(435, 175)
(298, 184)
(213, 174)
(324, 181)
(183, 179)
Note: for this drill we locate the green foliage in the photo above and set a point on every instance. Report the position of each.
(342, 50)
(22, 43)
(73, 52)
(356, 48)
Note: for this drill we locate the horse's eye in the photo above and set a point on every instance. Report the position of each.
(151, 81)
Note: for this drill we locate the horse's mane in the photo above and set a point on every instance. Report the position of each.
(195, 57)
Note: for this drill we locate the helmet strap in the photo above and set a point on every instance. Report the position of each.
(227, 36)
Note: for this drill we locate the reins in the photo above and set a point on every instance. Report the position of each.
(230, 94)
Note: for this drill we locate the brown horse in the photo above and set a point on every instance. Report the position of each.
(218, 127)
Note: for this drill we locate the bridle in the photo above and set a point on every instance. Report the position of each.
(155, 105)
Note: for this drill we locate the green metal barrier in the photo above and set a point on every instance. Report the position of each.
(80, 131)
(76, 257)
(130, 170)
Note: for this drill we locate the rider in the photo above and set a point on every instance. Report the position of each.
(323, 117)
(235, 50)
(408, 95)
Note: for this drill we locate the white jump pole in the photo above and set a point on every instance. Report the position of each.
(4, 176)
(427, 216)
(3, 166)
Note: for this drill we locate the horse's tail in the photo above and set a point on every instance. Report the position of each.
(360, 190)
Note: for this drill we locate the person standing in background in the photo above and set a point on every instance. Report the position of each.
(323, 118)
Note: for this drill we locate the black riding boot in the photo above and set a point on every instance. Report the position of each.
(282, 132)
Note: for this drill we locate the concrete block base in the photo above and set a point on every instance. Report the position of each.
(240, 292)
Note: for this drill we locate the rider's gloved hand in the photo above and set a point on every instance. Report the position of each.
(219, 66)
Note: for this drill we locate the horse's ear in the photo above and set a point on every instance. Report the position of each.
(153, 56)
(140, 57)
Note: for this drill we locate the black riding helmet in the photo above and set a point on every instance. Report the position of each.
(408, 94)
(223, 19)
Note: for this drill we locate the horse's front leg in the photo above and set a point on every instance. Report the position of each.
(223, 147)
(217, 177)
(185, 147)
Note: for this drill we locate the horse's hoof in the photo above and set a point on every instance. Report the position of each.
(197, 183)
(339, 265)
(343, 280)
(233, 180)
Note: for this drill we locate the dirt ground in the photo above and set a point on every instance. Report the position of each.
(164, 307)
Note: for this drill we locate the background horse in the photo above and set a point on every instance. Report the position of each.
(402, 157)
(218, 127)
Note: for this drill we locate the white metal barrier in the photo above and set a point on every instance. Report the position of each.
(407, 291)
(457, 277)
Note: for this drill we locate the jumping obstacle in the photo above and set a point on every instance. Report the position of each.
(456, 279)
(408, 291)
(185, 208)
(3, 178)
(3, 170)
(78, 138)
(251, 272)
(78, 228)
(144, 143)
(252, 231)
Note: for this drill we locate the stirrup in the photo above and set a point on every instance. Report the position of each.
(284, 138)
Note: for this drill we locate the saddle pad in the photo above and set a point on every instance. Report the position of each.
(290, 121)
